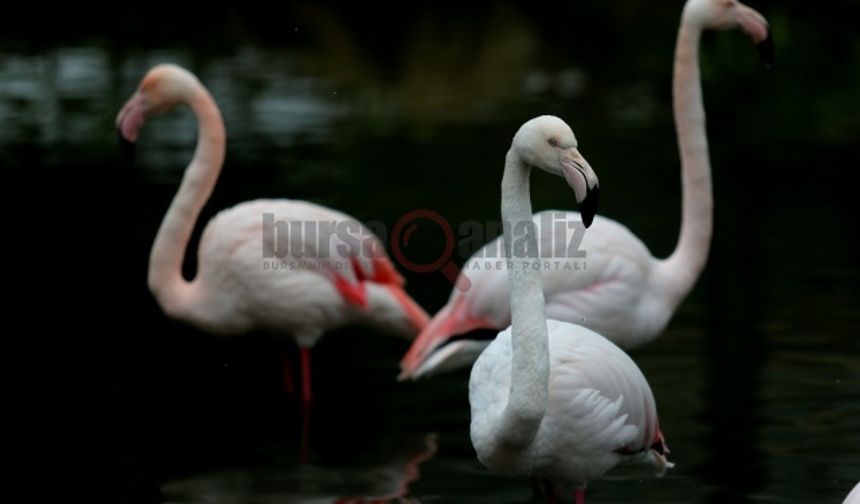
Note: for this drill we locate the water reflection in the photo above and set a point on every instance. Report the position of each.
(382, 477)
(71, 96)
(272, 98)
(758, 375)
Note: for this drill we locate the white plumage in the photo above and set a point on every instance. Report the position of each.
(600, 412)
(238, 288)
(619, 289)
(549, 398)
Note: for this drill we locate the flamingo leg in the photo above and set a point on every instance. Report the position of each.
(579, 496)
(305, 358)
(305, 354)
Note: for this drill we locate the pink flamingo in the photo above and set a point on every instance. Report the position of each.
(233, 291)
(625, 293)
(553, 399)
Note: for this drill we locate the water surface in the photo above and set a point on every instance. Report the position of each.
(757, 377)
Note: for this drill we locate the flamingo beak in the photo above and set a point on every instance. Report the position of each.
(418, 318)
(588, 206)
(439, 347)
(582, 179)
(129, 122)
(430, 337)
(756, 27)
(455, 354)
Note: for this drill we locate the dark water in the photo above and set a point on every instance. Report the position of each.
(757, 377)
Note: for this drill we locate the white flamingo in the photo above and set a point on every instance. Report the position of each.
(549, 398)
(233, 291)
(624, 293)
(853, 496)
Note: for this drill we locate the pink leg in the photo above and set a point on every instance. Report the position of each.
(289, 384)
(305, 354)
(579, 496)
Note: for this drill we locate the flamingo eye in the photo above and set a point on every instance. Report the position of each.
(553, 142)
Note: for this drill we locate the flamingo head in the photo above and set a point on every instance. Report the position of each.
(730, 14)
(390, 309)
(548, 143)
(163, 88)
(375, 289)
(453, 339)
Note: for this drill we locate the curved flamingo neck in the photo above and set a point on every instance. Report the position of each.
(168, 252)
(682, 268)
(527, 401)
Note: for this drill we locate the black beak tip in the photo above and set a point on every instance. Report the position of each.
(766, 51)
(127, 148)
(588, 206)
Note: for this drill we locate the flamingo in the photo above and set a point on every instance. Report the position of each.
(625, 293)
(853, 496)
(234, 292)
(549, 398)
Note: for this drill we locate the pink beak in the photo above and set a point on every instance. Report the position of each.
(129, 122)
(131, 117)
(756, 27)
(416, 315)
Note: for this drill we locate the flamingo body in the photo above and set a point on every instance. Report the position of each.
(622, 291)
(302, 295)
(601, 411)
(554, 399)
(617, 289)
(326, 282)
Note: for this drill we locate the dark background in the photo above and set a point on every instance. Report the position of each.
(379, 110)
